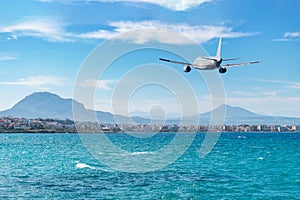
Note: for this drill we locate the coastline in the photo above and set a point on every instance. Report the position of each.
(39, 125)
(122, 132)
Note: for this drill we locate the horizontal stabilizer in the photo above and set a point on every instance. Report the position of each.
(208, 58)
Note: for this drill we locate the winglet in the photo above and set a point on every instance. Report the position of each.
(219, 48)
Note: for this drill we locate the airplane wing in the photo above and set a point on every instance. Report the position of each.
(176, 62)
(240, 64)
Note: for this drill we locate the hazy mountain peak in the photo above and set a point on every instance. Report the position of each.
(42, 104)
(49, 105)
(35, 98)
(231, 112)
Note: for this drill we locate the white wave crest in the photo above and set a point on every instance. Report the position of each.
(82, 166)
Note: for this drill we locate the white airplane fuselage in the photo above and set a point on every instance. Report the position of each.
(205, 64)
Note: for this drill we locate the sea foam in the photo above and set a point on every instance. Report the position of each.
(83, 165)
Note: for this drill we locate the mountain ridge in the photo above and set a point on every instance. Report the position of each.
(49, 105)
(231, 111)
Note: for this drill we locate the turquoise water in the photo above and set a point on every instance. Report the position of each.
(241, 166)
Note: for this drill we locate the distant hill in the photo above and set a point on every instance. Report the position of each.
(49, 105)
(231, 112)
(237, 115)
(41, 104)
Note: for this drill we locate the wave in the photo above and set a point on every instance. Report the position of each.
(80, 165)
(83, 165)
(140, 153)
(137, 153)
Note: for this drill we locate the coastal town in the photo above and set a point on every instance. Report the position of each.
(39, 125)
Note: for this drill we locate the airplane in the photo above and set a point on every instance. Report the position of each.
(210, 63)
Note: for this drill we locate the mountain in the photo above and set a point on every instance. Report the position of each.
(234, 116)
(43, 105)
(237, 115)
(48, 105)
(231, 112)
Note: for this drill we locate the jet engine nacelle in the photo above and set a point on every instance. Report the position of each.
(222, 70)
(187, 68)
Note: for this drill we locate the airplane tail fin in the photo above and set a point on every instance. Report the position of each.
(219, 48)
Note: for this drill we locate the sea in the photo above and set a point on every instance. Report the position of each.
(62, 166)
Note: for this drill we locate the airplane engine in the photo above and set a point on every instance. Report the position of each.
(222, 70)
(187, 69)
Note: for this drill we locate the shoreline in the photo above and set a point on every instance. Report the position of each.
(197, 132)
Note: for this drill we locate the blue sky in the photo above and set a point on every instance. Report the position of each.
(43, 44)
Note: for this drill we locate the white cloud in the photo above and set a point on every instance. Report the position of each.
(288, 37)
(291, 34)
(100, 34)
(258, 93)
(287, 84)
(54, 30)
(99, 84)
(163, 32)
(61, 1)
(178, 5)
(295, 85)
(47, 28)
(39, 82)
(244, 94)
(269, 93)
(7, 56)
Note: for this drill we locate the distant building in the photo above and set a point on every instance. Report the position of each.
(296, 128)
(105, 129)
(264, 128)
(282, 129)
(174, 128)
(274, 128)
(165, 128)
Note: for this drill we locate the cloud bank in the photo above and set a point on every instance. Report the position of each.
(54, 30)
(38, 82)
(288, 37)
(179, 5)
(98, 84)
(4, 56)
